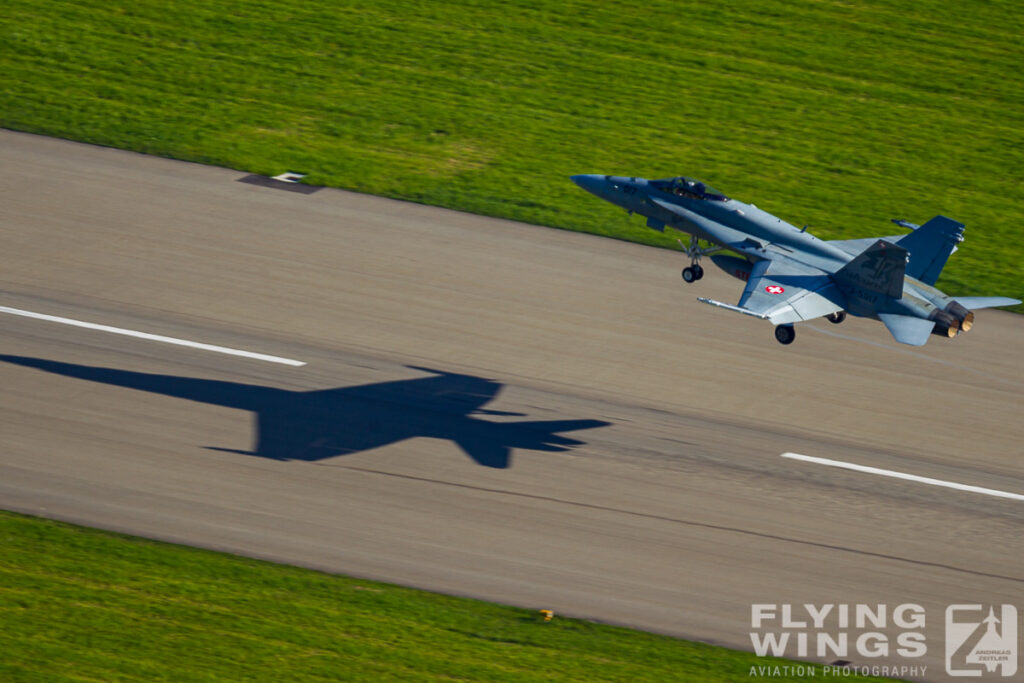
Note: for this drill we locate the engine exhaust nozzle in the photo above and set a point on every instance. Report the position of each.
(945, 324)
(964, 318)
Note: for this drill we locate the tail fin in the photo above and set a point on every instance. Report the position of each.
(930, 247)
(879, 269)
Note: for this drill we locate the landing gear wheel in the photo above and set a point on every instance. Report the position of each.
(785, 334)
(837, 317)
(696, 253)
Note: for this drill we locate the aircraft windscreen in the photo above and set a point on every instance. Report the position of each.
(689, 187)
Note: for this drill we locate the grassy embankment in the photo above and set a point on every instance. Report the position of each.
(834, 114)
(81, 604)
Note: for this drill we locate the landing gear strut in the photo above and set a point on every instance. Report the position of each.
(785, 334)
(837, 317)
(694, 272)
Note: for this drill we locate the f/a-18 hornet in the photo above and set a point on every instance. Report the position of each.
(793, 276)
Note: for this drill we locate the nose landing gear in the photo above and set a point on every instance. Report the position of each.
(694, 272)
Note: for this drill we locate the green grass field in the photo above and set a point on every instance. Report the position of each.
(81, 604)
(841, 115)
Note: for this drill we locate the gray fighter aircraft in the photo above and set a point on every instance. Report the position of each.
(793, 276)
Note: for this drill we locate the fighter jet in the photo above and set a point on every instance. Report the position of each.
(792, 276)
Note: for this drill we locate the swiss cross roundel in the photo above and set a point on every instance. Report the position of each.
(774, 289)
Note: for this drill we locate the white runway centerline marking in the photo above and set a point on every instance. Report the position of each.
(152, 337)
(902, 475)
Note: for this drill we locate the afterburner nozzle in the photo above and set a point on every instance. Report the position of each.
(945, 324)
(964, 318)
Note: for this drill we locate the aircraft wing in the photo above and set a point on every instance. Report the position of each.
(780, 289)
(783, 291)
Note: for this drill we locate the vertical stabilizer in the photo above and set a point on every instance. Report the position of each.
(930, 247)
(879, 269)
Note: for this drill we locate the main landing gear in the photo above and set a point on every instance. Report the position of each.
(836, 318)
(785, 334)
(694, 272)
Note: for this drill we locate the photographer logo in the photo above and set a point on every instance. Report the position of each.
(980, 640)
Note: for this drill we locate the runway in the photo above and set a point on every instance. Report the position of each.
(508, 412)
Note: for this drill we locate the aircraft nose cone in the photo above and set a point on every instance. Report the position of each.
(591, 182)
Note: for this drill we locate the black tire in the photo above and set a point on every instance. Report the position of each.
(837, 317)
(689, 275)
(785, 334)
(698, 272)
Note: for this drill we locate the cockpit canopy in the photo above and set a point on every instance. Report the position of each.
(689, 187)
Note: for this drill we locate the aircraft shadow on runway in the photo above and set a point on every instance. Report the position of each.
(313, 425)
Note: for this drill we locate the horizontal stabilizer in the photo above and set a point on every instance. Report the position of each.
(906, 329)
(973, 303)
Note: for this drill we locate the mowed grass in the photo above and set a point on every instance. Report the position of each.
(82, 604)
(835, 114)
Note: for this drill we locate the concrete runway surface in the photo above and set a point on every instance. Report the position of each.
(504, 411)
